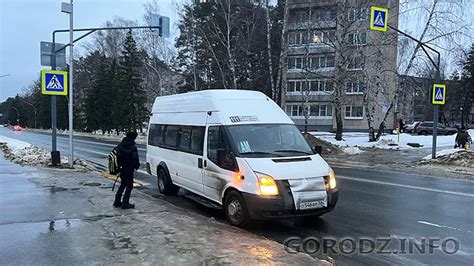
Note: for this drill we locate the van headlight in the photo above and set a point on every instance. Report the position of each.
(330, 180)
(267, 185)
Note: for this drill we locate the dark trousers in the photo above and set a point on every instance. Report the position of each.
(127, 185)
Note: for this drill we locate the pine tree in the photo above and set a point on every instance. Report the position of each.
(130, 102)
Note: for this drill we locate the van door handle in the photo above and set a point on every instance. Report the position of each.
(200, 162)
(205, 164)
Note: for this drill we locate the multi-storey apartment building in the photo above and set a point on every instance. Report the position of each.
(334, 59)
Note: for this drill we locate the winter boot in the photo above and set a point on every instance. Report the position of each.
(128, 206)
(117, 204)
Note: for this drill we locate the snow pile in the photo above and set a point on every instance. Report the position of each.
(23, 153)
(352, 150)
(443, 153)
(361, 140)
(458, 157)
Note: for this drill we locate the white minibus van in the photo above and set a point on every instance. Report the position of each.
(238, 149)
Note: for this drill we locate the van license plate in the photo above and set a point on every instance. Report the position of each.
(313, 204)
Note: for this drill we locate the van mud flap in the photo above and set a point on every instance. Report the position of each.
(309, 193)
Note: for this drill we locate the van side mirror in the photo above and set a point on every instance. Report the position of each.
(222, 158)
(318, 149)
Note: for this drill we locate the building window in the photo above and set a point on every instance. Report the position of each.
(294, 86)
(294, 110)
(320, 110)
(299, 16)
(357, 87)
(357, 38)
(295, 63)
(324, 15)
(357, 63)
(355, 14)
(327, 36)
(297, 38)
(321, 61)
(320, 85)
(354, 112)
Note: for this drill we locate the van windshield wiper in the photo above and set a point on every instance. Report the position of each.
(259, 152)
(297, 151)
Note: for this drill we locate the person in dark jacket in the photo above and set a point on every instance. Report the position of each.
(462, 138)
(128, 162)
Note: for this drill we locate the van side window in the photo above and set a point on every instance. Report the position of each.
(155, 135)
(171, 136)
(218, 149)
(197, 140)
(184, 139)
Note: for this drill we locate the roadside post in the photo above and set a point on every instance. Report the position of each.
(69, 9)
(438, 98)
(379, 22)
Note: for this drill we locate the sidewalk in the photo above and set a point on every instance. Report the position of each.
(51, 216)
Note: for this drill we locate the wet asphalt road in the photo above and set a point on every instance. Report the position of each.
(401, 209)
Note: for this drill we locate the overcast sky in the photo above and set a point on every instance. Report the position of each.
(24, 23)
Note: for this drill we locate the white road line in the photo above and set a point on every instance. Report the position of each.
(443, 226)
(408, 186)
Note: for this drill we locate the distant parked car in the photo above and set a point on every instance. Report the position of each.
(411, 127)
(425, 128)
(17, 128)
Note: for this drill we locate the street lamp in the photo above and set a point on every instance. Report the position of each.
(17, 116)
(34, 109)
(462, 117)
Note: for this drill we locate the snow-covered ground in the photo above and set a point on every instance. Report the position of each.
(24, 153)
(361, 140)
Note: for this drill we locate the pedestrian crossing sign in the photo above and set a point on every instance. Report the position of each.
(439, 94)
(379, 18)
(54, 82)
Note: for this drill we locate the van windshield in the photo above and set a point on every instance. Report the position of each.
(268, 140)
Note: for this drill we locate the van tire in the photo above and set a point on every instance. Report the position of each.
(235, 209)
(165, 185)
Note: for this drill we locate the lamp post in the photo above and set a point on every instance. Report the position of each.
(462, 117)
(17, 116)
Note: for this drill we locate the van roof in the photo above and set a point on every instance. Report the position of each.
(205, 100)
(245, 106)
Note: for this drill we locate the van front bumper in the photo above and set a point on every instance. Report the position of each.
(282, 206)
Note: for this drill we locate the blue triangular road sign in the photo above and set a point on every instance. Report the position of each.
(379, 19)
(439, 94)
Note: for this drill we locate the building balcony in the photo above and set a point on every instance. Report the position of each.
(321, 48)
(325, 72)
(317, 96)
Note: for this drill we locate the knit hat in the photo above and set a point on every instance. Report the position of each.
(132, 135)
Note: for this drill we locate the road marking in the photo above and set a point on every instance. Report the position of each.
(408, 186)
(443, 226)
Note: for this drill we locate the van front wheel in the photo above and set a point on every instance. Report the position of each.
(236, 210)
(165, 185)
